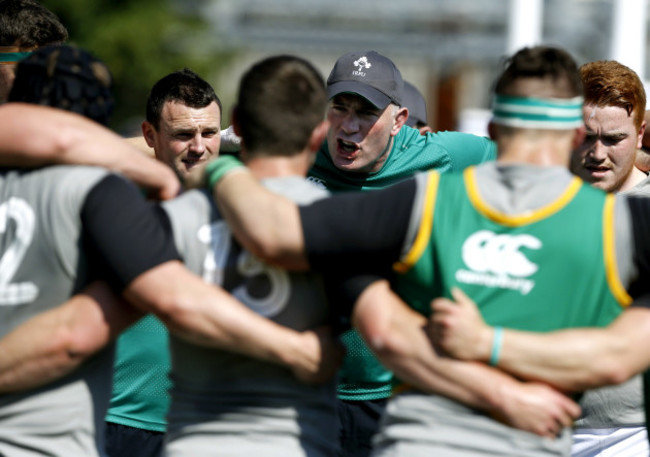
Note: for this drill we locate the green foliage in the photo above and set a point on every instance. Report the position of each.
(140, 41)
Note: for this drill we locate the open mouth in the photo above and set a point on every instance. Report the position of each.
(596, 170)
(347, 148)
(191, 163)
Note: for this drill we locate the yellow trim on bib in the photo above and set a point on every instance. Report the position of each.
(520, 219)
(609, 248)
(426, 224)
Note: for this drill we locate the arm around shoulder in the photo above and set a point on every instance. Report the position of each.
(265, 223)
(68, 138)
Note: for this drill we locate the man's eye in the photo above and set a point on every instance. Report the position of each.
(612, 140)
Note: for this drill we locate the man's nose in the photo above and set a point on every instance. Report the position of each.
(598, 150)
(350, 123)
(197, 145)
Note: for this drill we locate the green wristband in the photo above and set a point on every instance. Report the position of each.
(217, 169)
(497, 342)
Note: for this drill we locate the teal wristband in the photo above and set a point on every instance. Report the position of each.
(217, 169)
(497, 342)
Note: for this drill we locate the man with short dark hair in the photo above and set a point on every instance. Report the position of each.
(183, 117)
(613, 420)
(183, 121)
(234, 405)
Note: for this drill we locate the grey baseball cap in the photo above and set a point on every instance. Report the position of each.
(416, 104)
(368, 74)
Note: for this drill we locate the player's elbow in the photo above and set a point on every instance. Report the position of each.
(607, 372)
(378, 320)
(615, 371)
(71, 346)
(264, 246)
(385, 343)
(277, 249)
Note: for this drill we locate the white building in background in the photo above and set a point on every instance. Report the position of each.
(450, 49)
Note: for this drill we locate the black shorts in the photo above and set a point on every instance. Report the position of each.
(125, 441)
(358, 423)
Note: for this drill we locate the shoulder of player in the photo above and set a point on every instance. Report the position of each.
(63, 171)
(443, 139)
(297, 188)
(189, 212)
(61, 179)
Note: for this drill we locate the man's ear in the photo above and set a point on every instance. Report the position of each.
(148, 132)
(578, 137)
(318, 135)
(641, 134)
(401, 116)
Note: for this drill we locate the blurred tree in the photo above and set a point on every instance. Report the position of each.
(140, 41)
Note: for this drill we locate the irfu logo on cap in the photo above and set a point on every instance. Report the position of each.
(363, 64)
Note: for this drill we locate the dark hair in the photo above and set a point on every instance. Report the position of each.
(610, 83)
(183, 86)
(541, 62)
(65, 77)
(281, 100)
(28, 24)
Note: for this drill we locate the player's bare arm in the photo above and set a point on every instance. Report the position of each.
(54, 343)
(207, 315)
(573, 359)
(264, 223)
(397, 334)
(37, 135)
(140, 254)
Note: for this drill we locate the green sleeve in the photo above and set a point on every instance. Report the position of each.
(465, 149)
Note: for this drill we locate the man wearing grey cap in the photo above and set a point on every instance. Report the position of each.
(368, 146)
(417, 106)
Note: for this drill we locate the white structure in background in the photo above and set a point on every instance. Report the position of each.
(429, 39)
(629, 36)
(524, 28)
(525, 20)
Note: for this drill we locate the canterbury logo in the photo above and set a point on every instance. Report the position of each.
(362, 64)
(496, 261)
